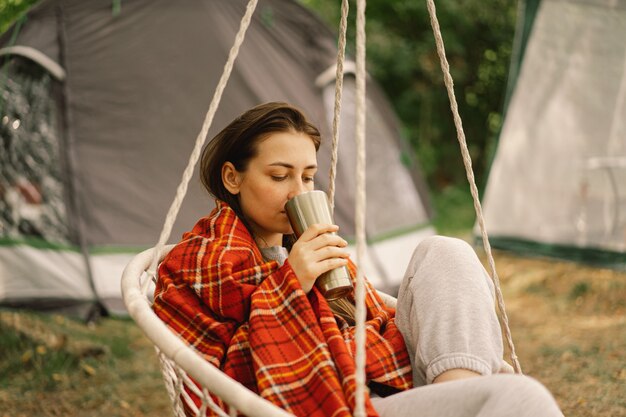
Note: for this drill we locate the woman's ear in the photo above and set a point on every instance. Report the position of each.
(231, 178)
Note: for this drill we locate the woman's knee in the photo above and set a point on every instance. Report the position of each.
(441, 257)
(448, 270)
(443, 246)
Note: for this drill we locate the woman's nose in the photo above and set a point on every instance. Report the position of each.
(298, 188)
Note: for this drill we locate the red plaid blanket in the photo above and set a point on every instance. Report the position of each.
(252, 319)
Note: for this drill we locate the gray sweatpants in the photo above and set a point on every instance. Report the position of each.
(446, 314)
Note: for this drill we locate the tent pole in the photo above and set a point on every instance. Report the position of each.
(75, 208)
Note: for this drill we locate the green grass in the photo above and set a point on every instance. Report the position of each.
(579, 289)
(52, 365)
(29, 363)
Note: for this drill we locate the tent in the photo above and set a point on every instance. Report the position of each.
(557, 185)
(100, 109)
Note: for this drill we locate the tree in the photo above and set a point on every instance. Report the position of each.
(478, 36)
(10, 10)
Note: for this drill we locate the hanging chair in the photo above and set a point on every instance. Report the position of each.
(179, 362)
(185, 372)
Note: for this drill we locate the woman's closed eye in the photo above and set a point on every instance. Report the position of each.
(306, 179)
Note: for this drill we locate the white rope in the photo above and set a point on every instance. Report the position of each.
(341, 54)
(179, 387)
(467, 161)
(195, 155)
(359, 409)
(171, 378)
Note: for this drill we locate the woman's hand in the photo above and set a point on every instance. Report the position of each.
(316, 251)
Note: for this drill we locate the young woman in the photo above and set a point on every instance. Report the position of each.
(240, 289)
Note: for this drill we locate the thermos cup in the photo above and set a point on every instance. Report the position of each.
(310, 208)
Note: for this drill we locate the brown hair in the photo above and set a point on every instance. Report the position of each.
(238, 143)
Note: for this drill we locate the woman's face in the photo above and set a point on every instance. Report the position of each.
(283, 168)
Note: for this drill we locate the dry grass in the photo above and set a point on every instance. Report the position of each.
(568, 323)
(569, 327)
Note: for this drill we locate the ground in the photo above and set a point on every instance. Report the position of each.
(569, 327)
(568, 324)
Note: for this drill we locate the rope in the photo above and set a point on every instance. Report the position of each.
(341, 54)
(467, 161)
(171, 379)
(359, 409)
(195, 155)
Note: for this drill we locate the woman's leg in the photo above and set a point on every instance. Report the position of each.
(446, 311)
(486, 396)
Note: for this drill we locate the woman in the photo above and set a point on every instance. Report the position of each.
(240, 289)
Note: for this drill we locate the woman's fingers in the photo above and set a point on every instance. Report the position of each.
(328, 252)
(315, 230)
(325, 265)
(317, 251)
(320, 235)
(324, 259)
(327, 240)
(332, 263)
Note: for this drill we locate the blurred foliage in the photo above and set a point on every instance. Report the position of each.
(11, 10)
(402, 57)
(454, 211)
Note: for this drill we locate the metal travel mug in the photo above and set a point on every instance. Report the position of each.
(310, 208)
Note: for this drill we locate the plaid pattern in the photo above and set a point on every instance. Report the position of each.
(252, 319)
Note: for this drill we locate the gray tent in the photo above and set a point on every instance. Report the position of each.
(99, 113)
(558, 181)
